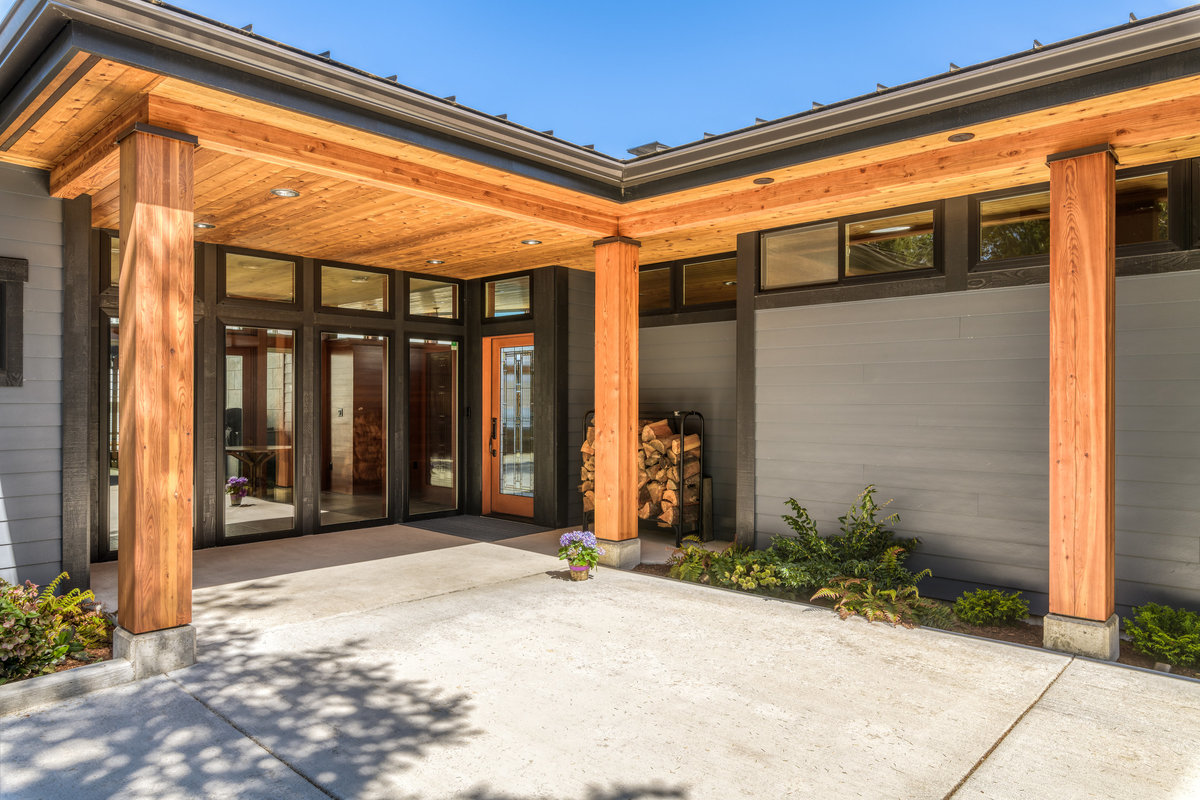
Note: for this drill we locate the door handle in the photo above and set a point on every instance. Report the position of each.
(492, 445)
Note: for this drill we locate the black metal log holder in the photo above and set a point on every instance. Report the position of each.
(682, 424)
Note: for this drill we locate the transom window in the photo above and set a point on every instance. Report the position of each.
(1017, 224)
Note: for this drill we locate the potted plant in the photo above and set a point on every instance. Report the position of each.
(580, 550)
(237, 488)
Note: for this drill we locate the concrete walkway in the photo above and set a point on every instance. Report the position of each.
(396, 663)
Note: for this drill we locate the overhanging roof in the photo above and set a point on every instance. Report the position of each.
(37, 33)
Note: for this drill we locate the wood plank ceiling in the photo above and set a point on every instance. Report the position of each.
(366, 199)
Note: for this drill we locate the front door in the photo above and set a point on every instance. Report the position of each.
(508, 425)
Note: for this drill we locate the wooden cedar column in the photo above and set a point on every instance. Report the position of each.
(1082, 419)
(156, 314)
(616, 388)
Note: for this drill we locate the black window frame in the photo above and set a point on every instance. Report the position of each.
(675, 283)
(1179, 217)
(939, 249)
(390, 276)
(483, 282)
(238, 302)
(14, 272)
(406, 291)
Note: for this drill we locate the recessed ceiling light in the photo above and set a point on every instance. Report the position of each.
(730, 283)
(435, 261)
(359, 279)
(531, 241)
(281, 192)
(764, 181)
(893, 229)
(203, 226)
(965, 136)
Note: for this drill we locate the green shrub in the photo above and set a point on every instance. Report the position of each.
(1166, 634)
(40, 629)
(861, 597)
(991, 607)
(866, 548)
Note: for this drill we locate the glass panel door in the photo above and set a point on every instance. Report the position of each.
(354, 431)
(259, 431)
(508, 434)
(432, 426)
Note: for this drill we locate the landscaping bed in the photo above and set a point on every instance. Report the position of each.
(861, 571)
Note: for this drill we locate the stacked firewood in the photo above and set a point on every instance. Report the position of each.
(668, 478)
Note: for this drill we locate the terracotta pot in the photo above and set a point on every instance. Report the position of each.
(579, 573)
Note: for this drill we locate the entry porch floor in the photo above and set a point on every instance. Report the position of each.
(401, 663)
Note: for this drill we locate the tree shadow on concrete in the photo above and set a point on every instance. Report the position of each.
(341, 721)
(614, 792)
(325, 717)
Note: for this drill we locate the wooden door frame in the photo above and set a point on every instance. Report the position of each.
(489, 350)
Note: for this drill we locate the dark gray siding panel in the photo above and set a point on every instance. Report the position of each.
(30, 415)
(941, 401)
(1158, 439)
(581, 368)
(692, 367)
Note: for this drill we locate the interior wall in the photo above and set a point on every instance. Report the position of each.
(31, 227)
(942, 402)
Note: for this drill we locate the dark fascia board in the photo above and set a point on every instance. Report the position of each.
(39, 34)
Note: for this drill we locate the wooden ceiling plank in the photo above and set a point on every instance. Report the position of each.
(67, 74)
(94, 162)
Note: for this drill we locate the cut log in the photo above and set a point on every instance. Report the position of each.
(589, 501)
(645, 511)
(656, 492)
(670, 496)
(690, 442)
(669, 515)
(691, 468)
(656, 430)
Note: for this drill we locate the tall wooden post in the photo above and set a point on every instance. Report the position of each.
(617, 396)
(1082, 407)
(156, 314)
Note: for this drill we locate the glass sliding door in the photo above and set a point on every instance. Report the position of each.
(112, 470)
(433, 473)
(354, 431)
(259, 430)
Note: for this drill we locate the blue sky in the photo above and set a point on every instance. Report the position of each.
(620, 74)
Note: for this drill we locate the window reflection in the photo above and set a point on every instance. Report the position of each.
(259, 426)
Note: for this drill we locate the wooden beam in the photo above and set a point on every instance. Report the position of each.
(1014, 155)
(616, 388)
(154, 570)
(229, 134)
(91, 165)
(1082, 419)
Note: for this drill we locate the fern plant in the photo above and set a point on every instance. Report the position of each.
(856, 596)
(78, 610)
(866, 548)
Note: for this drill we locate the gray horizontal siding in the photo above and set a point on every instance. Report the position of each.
(941, 401)
(581, 376)
(693, 367)
(30, 415)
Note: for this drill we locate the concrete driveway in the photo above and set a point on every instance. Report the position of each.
(397, 663)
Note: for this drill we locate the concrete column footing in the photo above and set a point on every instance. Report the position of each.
(622, 554)
(1083, 637)
(156, 652)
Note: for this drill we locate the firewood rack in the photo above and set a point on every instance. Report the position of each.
(690, 519)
